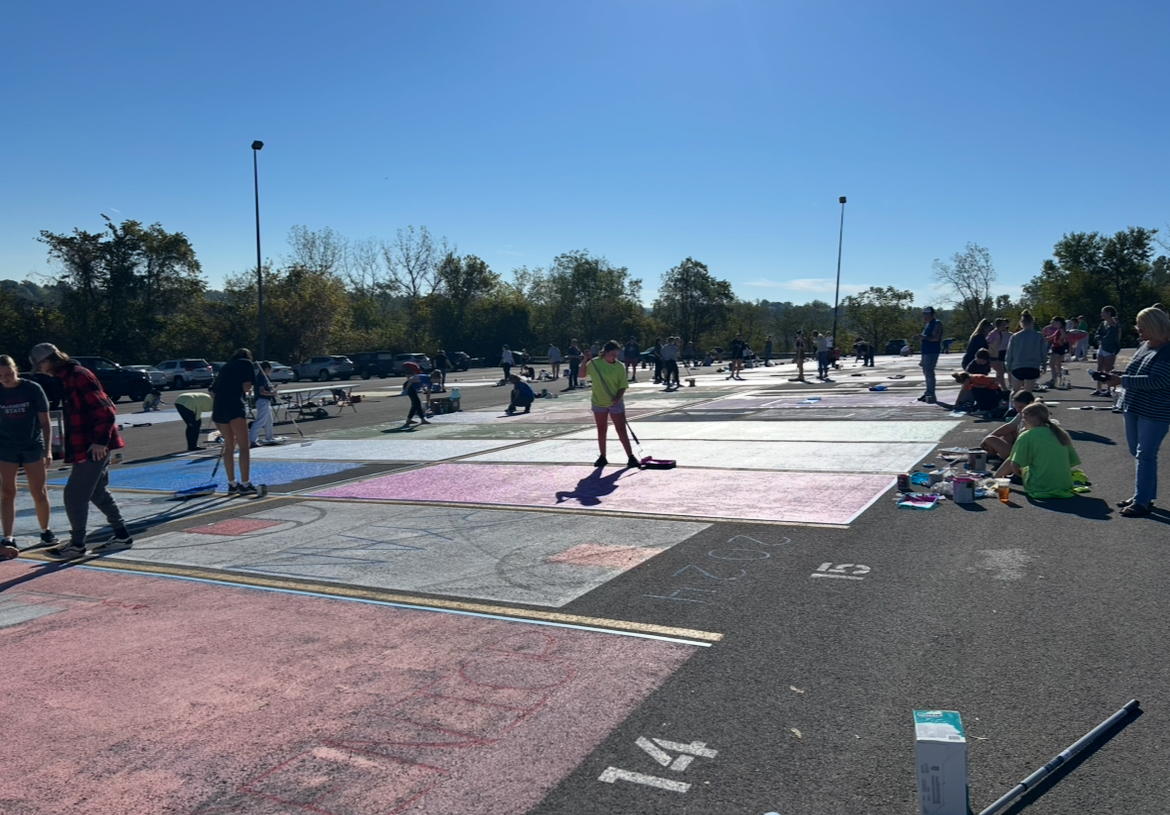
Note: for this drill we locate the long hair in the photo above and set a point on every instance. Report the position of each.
(1040, 413)
(981, 329)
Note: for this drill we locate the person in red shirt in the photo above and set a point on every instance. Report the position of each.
(91, 434)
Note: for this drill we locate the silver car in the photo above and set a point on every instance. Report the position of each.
(158, 379)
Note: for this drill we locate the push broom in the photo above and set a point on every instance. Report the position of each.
(203, 489)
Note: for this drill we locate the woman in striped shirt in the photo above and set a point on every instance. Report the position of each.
(1146, 405)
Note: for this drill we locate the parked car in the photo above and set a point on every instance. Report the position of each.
(280, 372)
(187, 373)
(216, 367)
(461, 361)
(158, 379)
(373, 363)
(324, 368)
(421, 360)
(895, 346)
(117, 381)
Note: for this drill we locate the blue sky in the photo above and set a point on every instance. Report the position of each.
(645, 131)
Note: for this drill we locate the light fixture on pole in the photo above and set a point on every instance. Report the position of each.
(837, 295)
(257, 146)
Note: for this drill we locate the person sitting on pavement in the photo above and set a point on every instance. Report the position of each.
(980, 389)
(522, 396)
(1000, 441)
(1043, 456)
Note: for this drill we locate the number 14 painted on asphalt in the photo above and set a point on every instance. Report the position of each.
(660, 750)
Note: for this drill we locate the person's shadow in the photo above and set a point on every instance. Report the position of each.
(1093, 509)
(592, 488)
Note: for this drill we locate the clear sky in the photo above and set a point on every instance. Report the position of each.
(645, 131)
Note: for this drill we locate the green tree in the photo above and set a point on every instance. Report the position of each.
(879, 315)
(123, 286)
(693, 300)
(582, 296)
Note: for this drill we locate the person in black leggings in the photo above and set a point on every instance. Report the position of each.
(573, 355)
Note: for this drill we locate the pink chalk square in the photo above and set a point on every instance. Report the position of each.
(233, 526)
(341, 782)
(607, 557)
(791, 497)
(463, 717)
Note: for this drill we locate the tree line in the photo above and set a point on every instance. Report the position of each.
(137, 293)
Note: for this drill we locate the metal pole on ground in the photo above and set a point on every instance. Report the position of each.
(837, 294)
(1038, 776)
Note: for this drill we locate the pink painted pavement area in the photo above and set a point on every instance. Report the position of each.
(829, 498)
(142, 694)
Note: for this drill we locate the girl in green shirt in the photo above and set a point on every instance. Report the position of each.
(608, 379)
(1043, 456)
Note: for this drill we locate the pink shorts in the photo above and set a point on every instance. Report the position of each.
(614, 410)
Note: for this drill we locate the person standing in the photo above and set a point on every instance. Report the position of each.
(631, 358)
(229, 412)
(1025, 353)
(1145, 404)
(931, 348)
(554, 360)
(657, 352)
(997, 341)
(1108, 345)
(506, 362)
(670, 363)
(574, 356)
(1082, 349)
(25, 436)
(689, 355)
(439, 372)
(768, 351)
(609, 384)
(191, 406)
(1057, 336)
(975, 342)
(265, 400)
(91, 434)
(822, 344)
(738, 347)
(800, 348)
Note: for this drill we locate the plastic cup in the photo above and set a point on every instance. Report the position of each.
(1004, 487)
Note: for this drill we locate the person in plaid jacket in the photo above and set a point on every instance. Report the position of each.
(91, 433)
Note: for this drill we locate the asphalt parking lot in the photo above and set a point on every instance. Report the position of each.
(467, 617)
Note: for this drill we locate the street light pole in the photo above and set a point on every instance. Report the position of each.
(256, 147)
(837, 295)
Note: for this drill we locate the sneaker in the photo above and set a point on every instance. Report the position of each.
(233, 489)
(48, 538)
(248, 489)
(930, 400)
(633, 462)
(114, 544)
(8, 549)
(66, 551)
(601, 462)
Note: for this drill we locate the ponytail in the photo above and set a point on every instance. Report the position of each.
(1040, 413)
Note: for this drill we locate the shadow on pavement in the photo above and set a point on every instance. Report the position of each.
(1093, 509)
(1082, 435)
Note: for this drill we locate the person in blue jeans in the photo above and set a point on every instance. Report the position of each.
(931, 347)
(522, 395)
(1145, 403)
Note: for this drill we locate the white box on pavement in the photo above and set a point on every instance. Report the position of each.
(941, 758)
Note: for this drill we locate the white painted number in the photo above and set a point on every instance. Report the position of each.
(842, 571)
(660, 750)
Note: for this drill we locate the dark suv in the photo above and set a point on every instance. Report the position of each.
(116, 380)
(373, 363)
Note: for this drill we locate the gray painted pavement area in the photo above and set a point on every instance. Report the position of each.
(820, 612)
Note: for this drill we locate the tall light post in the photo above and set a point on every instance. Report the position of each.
(837, 295)
(257, 146)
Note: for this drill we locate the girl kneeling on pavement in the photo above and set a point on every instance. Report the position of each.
(1043, 456)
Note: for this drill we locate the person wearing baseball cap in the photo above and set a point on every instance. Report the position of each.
(931, 348)
(91, 433)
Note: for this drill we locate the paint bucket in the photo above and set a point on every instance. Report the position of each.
(936, 476)
(690, 383)
(976, 461)
(964, 490)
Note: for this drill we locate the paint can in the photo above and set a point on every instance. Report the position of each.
(976, 461)
(964, 488)
(904, 482)
(936, 476)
